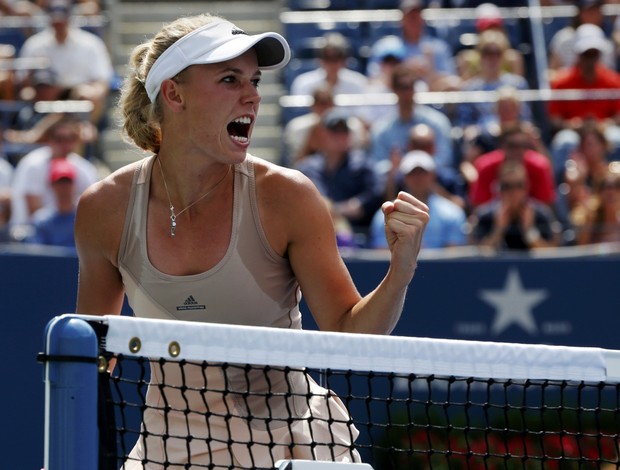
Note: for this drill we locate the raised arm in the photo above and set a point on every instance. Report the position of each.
(324, 279)
(405, 220)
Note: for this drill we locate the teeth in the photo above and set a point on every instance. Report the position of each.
(240, 139)
(243, 120)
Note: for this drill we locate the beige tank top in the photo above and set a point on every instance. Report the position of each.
(251, 285)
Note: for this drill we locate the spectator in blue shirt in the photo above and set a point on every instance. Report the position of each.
(391, 132)
(447, 223)
(492, 47)
(54, 226)
(431, 57)
(342, 174)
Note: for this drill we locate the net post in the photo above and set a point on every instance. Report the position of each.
(71, 434)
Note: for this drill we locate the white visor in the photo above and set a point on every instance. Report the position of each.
(217, 41)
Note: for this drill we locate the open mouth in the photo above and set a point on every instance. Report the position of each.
(239, 129)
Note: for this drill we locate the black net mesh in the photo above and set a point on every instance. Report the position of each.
(206, 415)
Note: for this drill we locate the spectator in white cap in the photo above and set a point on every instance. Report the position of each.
(448, 222)
(587, 74)
(241, 236)
(562, 52)
(589, 37)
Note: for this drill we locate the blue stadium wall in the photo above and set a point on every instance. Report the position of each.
(573, 300)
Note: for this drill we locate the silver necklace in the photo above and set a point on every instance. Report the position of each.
(174, 215)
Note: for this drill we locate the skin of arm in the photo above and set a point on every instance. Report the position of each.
(34, 203)
(528, 224)
(98, 227)
(501, 221)
(307, 237)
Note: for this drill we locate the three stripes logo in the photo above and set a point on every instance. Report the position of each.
(191, 304)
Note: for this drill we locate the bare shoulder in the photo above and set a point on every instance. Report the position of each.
(283, 186)
(109, 192)
(290, 206)
(101, 211)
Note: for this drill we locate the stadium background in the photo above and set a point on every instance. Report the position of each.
(567, 296)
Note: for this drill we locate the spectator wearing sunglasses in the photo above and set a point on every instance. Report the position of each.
(513, 220)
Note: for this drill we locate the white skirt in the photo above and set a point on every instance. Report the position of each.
(203, 436)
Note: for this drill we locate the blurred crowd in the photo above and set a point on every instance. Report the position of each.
(507, 154)
(55, 80)
(451, 111)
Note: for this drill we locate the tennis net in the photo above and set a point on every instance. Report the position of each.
(249, 397)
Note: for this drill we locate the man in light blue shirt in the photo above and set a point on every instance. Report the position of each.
(391, 132)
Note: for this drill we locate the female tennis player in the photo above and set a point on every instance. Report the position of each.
(203, 231)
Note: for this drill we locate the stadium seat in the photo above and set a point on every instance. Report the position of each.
(295, 67)
(12, 36)
(381, 29)
(382, 4)
(553, 25)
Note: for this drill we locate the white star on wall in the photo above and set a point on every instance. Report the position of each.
(514, 304)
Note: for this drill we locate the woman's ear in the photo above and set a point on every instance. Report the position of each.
(171, 94)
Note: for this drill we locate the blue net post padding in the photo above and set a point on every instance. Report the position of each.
(71, 434)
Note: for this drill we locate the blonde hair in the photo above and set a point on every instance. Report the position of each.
(492, 37)
(141, 118)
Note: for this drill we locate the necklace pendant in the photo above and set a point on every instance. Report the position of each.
(173, 215)
(173, 224)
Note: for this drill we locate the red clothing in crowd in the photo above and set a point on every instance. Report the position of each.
(600, 109)
(539, 172)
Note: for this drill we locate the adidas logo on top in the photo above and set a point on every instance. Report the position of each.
(190, 304)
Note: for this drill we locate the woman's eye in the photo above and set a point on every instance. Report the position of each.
(233, 80)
